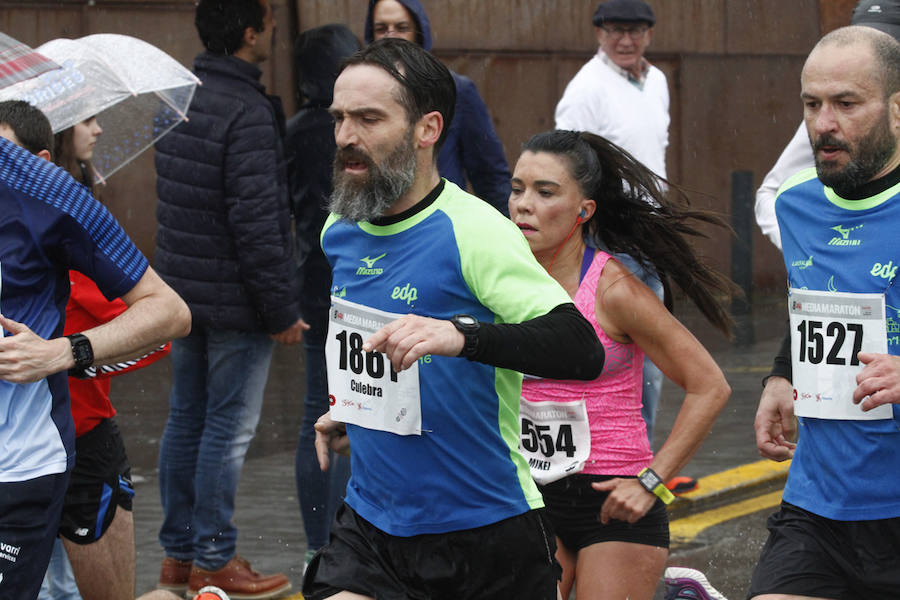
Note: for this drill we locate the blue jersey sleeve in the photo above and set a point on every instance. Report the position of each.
(66, 224)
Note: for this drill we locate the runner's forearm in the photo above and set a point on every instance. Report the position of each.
(560, 345)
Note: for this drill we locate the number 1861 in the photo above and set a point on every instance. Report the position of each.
(352, 355)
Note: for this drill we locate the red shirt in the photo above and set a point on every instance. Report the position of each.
(88, 308)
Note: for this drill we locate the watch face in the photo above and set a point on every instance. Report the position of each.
(467, 320)
(649, 480)
(82, 351)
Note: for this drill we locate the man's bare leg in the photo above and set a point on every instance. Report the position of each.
(105, 569)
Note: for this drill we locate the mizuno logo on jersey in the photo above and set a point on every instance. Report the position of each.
(845, 239)
(370, 269)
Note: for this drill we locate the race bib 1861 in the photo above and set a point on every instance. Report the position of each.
(363, 387)
(828, 331)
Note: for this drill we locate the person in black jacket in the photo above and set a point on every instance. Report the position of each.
(309, 146)
(224, 244)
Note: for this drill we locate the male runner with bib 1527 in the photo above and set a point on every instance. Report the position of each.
(837, 532)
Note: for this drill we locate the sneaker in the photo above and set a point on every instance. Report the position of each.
(174, 574)
(211, 592)
(239, 581)
(689, 584)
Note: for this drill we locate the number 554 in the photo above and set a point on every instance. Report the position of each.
(538, 437)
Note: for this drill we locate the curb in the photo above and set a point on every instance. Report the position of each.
(733, 485)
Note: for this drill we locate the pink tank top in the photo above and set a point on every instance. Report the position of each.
(619, 444)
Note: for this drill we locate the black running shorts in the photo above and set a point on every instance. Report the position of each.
(809, 555)
(573, 508)
(513, 558)
(29, 513)
(100, 483)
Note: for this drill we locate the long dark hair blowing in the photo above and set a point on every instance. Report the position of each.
(635, 216)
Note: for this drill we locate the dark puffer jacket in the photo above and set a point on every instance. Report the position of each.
(224, 239)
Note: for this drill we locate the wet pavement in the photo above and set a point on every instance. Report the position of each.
(267, 513)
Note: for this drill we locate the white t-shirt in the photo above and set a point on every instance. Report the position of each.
(601, 101)
(797, 155)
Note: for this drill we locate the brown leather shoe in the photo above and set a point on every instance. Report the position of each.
(174, 574)
(239, 581)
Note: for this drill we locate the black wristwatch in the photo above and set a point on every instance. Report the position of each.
(82, 352)
(468, 326)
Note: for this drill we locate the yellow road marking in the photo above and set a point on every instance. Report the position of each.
(761, 470)
(684, 530)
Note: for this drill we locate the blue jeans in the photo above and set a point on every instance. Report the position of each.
(320, 493)
(217, 393)
(59, 581)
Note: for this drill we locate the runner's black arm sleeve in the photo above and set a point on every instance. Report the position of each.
(781, 365)
(560, 345)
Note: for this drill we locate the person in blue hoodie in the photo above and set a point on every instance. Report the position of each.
(472, 152)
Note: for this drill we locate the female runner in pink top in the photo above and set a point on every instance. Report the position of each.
(586, 441)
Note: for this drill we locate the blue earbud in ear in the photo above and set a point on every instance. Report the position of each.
(583, 214)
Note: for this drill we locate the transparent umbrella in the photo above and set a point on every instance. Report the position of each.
(19, 61)
(137, 92)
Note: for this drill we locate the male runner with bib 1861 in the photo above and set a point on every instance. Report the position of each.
(437, 307)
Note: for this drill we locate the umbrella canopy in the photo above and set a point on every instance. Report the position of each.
(19, 62)
(137, 92)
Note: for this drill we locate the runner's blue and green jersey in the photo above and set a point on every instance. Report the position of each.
(844, 469)
(458, 255)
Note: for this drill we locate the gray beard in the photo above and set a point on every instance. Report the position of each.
(371, 197)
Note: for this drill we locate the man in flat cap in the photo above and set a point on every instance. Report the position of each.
(619, 95)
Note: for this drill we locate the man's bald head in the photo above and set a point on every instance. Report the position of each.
(885, 50)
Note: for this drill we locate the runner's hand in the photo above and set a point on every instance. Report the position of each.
(627, 501)
(411, 337)
(331, 435)
(775, 424)
(26, 357)
(879, 382)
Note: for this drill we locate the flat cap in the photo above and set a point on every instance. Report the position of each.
(634, 11)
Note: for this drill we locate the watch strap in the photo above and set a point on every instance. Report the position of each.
(660, 490)
(470, 334)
